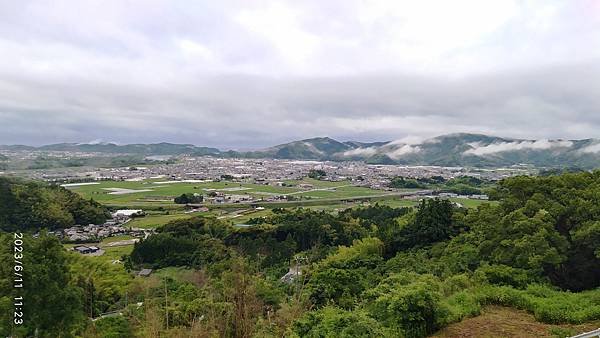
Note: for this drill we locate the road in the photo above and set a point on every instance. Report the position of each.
(320, 200)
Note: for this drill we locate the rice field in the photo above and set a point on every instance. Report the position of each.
(156, 196)
(156, 192)
(163, 192)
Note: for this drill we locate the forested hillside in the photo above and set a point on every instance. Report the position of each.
(373, 271)
(461, 149)
(27, 205)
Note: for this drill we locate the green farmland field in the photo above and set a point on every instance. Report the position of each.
(153, 221)
(156, 198)
(156, 192)
(161, 193)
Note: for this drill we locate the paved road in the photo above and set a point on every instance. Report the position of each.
(321, 200)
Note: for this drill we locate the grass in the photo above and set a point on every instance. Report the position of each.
(341, 191)
(115, 239)
(155, 220)
(498, 321)
(179, 274)
(247, 216)
(163, 193)
(161, 196)
(113, 253)
(546, 304)
(398, 203)
(316, 183)
(469, 203)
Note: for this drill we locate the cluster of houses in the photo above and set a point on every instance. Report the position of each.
(453, 195)
(219, 197)
(112, 227)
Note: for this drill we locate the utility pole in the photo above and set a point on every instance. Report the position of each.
(166, 305)
(91, 288)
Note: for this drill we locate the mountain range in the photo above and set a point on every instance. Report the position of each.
(447, 150)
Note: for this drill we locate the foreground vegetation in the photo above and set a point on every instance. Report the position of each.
(371, 271)
(31, 206)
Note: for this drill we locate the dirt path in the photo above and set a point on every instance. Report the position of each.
(122, 243)
(497, 321)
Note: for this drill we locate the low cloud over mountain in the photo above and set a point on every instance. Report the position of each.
(448, 150)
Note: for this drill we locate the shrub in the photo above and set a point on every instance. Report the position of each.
(335, 322)
(503, 275)
(459, 306)
(343, 276)
(113, 327)
(409, 304)
(547, 304)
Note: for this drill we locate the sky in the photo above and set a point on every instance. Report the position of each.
(251, 74)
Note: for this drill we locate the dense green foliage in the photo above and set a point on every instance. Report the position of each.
(464, 185)
(405, 183)
(317, 174)
(371, 271)
(432, 223)
(379, 271)
(51, 162)
(52, 304)
(188, 198)
(28, 206)
(113, 327)
(557, 218)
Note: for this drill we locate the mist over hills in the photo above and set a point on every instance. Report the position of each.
(447, 150)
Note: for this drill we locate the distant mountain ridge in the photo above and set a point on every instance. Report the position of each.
(162, 148)
(460, 149)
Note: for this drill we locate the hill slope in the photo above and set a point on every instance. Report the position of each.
(140, 149)
(447, 150)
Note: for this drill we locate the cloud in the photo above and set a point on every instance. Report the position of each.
(403, 150)
(591, 149)
(253, 74)
(369, 151)
(479, 150)
(410, 139)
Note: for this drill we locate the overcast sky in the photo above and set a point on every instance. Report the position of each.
(244, 74)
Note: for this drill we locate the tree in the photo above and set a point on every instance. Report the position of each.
(432, 223)
(409, 304)
(335, 322)
(551, 221)
(189, 198)
(29, 206)
(342, 276)
(52, 304)
(405, 183)
(113, 327)
(317, 174)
